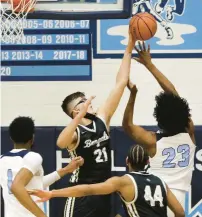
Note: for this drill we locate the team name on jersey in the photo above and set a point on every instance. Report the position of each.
(89, 142)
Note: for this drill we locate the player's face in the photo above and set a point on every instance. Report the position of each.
(78, 103)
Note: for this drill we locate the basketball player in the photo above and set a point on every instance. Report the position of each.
(87, 135)
(145, 6)
(21, 168)
(142, 193)
(177, 8)
(172, 150)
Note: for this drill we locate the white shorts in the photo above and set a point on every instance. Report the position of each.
(180, 195)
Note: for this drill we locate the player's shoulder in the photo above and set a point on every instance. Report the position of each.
(101, 120)
(34, 156)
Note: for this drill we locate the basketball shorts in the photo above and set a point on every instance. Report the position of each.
(180, 195)
(89, 206)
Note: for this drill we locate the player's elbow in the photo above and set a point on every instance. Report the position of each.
(61, 144)
(127, 125)
(180, 213)
(15, 187)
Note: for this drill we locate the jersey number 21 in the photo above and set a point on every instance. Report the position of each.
(101, 155)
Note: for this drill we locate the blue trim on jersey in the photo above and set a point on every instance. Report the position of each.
(162, 134)
(15, 154)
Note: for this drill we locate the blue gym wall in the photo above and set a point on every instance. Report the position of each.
(45, 144)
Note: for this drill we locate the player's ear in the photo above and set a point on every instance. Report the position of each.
(32, 140)
(75, 112)
(127, 161)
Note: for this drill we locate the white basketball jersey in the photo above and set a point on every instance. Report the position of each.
(10, 165)
(174, 160)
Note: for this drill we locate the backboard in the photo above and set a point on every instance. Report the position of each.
(81, 9)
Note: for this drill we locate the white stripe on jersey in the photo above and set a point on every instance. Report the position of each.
(75, 175)
(69, 207)
(132, 211)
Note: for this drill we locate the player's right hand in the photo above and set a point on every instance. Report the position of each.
(143, 53)
(132, 40)
(44, 195)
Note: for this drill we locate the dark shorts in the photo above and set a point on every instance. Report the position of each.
(89, 206)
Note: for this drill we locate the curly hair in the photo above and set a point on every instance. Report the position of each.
(172, 113)
(21, 130)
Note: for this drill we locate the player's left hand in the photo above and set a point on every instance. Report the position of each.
(44, 195)
(74, 164)
(144, 54)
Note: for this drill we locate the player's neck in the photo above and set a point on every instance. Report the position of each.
(22, 146)
(85, 121)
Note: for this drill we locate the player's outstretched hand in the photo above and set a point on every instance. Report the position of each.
(131, 42)
(143, 53)
(74, 164)
(132, 87)
(44, 195)
(84, 107)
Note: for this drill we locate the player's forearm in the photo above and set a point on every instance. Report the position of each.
(53, 177)
(124, 70)
(129, 111)
(77, 191)
(66, 136)
(166, 85)
(24, 198)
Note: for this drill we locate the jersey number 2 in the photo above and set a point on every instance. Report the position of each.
(9, 180)
(171, 152)
(101, 155)
(156, 197)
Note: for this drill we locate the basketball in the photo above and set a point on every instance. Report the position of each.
(143, 25)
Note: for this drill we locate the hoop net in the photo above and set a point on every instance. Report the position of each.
(13, 16)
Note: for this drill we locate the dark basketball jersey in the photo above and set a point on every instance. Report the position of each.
(150, 196)
(94, 147)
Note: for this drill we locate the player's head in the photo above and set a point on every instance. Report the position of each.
(172, 113)
(72, 103)
(21, 131)
(137, 158)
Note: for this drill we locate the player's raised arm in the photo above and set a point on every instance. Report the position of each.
(68, 137)
(55, 176)
(33, 162)
(139, 134)
(164, 82)
(111, 185)
(174, 204)
(145, 59)
(110, 105)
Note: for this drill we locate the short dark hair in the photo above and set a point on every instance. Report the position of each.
(138, 157)
(21, 130)
(172, 113)
(70, 98)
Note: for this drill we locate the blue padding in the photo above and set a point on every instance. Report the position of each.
(15, 154)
